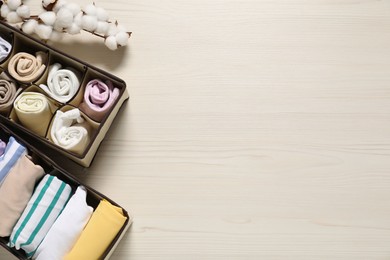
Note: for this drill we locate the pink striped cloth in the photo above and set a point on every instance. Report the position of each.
(99, 97)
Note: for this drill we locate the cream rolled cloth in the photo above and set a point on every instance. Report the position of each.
(13, 151)
(33, 111)
(62, 84)
(66, 230)
(98, 99)
(5, 49)
(15, 192)
(69, 131)
(8, 93)
(102, 228)
(27, 68)
(45, 205)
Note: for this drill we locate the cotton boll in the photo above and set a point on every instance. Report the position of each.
(48, 18)
(14, 4)
(55, 36)
(13, 17)
(29, 26)
(102, 28)
(73, 29)
(43, 31)
(64, 18)
(122, 38)
(59, 4)
(90, 9)
(89, 22)
(74, 8)
(111, 43)
(121, 28)
(4, 10)
(112, 30)
(23, 11)
(101, 14)
(78, 19)
(45, 3)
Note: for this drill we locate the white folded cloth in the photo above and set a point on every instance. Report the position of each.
(13, 151)
(45, 205)
(69, 131)
(62, 84)
(5, 49)
(66, 230)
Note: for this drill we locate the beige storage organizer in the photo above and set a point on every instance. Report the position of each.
(93, 196)
(22, 43)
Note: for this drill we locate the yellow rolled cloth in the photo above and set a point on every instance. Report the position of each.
(104, 225)
(33, 111)
(27, 68)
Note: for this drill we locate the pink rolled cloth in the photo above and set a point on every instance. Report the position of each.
(2, 147)
(98, 99)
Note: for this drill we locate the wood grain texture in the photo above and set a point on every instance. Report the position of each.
(256, 129)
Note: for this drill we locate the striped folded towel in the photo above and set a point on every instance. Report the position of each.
(13, 151)
(45, 205)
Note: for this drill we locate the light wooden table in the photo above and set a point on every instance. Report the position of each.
(256, 129)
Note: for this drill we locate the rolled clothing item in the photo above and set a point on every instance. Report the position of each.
(98, 98)
(2, 147)
(15, 192)
(13, 151)
(66, 229)
(34, 111)
(27, 68)
(104, 225)
(62, 84)
(45, 205)
(8, 93)
(69, 131)
(5, 49)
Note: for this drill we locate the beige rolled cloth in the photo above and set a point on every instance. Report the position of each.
(16, 191)
(34, 111)
(8, 93)
(27, 68)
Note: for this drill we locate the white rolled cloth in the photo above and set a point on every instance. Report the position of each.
(69, 131)
(62, 83)
(44, 207)
(66, 230)
(5, 49)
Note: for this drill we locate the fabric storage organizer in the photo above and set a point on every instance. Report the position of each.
(93, 196)
(41, 125)
(35, 134)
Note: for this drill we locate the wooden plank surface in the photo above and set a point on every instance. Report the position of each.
(256, 129)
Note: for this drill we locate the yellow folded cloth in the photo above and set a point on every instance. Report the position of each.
(104, 225)
(34, 111)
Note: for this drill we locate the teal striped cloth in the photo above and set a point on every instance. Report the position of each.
(45, 205)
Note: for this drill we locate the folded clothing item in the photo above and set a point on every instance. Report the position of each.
(98, 99)
(8, 93)
(34, 111)
(13, 151)
(15, 192)
(62, 84)
(27, 68)
(45, 205)
(104, 225)
(69, 131)
(66, 229)
(2, 147)
(5, 49)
